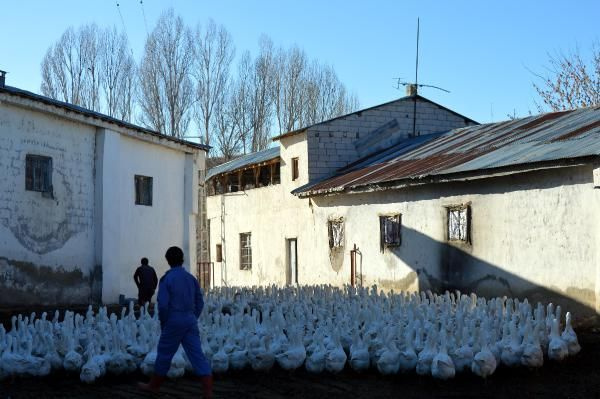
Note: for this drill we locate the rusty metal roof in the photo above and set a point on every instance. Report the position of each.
(537, 139)
(244, 161)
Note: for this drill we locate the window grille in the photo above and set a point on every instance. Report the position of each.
(245, 251)
(389, 230)
(336, 233)
(38, 174)
(459, 223)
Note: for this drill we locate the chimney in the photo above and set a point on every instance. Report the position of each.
(411, 89)
(2, 78)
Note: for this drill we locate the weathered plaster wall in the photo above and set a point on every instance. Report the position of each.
(533, 235)
(272, 215)
(46, 244)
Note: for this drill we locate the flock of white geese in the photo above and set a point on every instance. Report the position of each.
(320, 328)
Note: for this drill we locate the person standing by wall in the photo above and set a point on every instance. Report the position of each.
(180, 303)
(146, 281)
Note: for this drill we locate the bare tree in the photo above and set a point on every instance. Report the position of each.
(214, 53)
(571, 82)
(226, 124)
(70, 70)
(117, 75)
(92, 68)
(167, 92)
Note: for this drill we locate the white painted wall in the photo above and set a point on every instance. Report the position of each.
(54, 233)
(91, 235)
(534, 235)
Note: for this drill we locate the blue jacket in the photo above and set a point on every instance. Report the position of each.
(178, 294)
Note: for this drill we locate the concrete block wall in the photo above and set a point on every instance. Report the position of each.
(335, 144)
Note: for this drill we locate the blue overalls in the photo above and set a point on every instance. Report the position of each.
(179, 306)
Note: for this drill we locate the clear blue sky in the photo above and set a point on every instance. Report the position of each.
(479, 50)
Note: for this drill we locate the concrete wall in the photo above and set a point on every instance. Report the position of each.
(335, 144)
(46, 244)
(271, 214)
(533, 235)
(83, 244)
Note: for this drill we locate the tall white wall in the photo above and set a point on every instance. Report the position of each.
(46, 244)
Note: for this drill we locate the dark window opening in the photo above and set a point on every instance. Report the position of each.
(232, 183)
(143, 190)
(219, 253)
(295, 169)
(264, 176)
(389, 227)
(248, 179)
(38, 174)
(245, 251)
(459, 223)
(276, 176)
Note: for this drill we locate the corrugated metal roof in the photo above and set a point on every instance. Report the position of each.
(97, 115)
(243, 161)
(536, 139)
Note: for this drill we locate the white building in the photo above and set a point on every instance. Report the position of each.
(83, 197)
(509, 208)
(254, 206)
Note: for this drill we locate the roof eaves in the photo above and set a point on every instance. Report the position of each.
(96, 115)
(447, 177)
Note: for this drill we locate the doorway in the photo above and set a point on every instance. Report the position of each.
(292, 256)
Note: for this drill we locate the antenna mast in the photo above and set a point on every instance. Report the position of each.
(414, 132)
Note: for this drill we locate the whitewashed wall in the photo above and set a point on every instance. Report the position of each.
(272, 215)
(83, 245)
(533, 235)
(46, 244)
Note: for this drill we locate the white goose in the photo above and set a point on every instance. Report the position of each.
(570, 337)
(442, 366)
(557, 348)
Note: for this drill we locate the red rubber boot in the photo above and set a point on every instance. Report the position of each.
(154, 384)
(207, 386)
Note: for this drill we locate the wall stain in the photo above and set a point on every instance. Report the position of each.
(406, 283)
(336, 258)
(25, 283)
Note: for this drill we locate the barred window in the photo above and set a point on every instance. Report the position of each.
(38, 173)
(459, 224)
(336, 233)
(245, 251)
(143, 190)
(389, 228)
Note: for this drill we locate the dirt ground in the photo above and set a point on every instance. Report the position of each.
(578, 377)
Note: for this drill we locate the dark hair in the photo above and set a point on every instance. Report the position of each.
(174, 256)
(144, 261)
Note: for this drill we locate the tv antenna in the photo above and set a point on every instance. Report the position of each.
(413, 88)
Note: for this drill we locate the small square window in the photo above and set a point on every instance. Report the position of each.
(459, 223)
(295, 169)
(389, 229)
(219, 253)
(38, 174)
(143, 190)
(245, 251)
(336, 233)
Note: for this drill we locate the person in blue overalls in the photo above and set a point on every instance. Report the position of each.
(180, 303)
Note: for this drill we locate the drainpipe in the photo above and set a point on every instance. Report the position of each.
(353, 266)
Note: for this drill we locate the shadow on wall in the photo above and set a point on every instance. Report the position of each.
(450, 266)
(441, 266)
